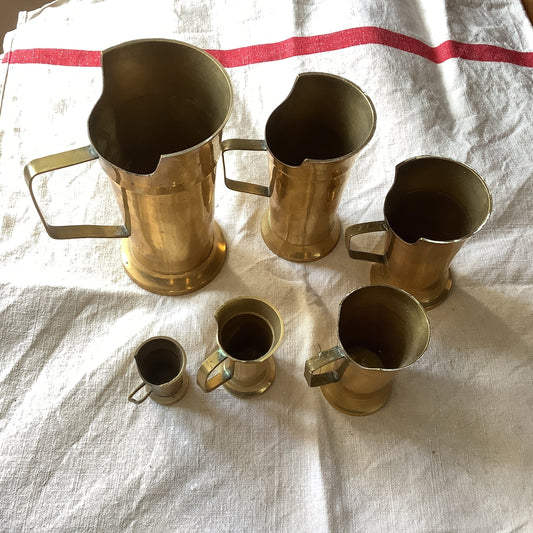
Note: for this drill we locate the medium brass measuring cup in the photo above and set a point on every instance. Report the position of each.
(433, 207)
(249, 331)
(381, 330)
(312, 140)
(156, 131)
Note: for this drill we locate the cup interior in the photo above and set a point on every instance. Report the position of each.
(246, 337)
(325, 117)
(248, 329)
(383, 327)
(159, 361)
(436, 199)
(160, 97)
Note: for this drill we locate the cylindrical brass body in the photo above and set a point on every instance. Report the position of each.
(301, 222)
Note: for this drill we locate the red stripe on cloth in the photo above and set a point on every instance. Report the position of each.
(54, 56)
(299, 46)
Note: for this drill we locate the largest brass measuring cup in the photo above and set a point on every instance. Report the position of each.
(156, 131)
(312, 140)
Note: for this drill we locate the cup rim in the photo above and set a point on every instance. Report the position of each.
(405, 294)
(178, 347)
(162, 157)
(426, 239)
(337, 159)
(275, 343)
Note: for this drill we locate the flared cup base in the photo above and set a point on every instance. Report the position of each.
(180, 283)
(299, 253)
(354, 404)
(243, 390)
(167, 400)
(428, 299)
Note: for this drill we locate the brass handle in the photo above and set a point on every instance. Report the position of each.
(315, 378)
(137, 402)
(359, 229)
(243, 186)
(213, 372)
(64, 160)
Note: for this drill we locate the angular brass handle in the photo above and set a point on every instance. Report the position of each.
(243, 186)
(359, 229)
(312, 373)
(63, 160)
(214, 372)
(138, 402)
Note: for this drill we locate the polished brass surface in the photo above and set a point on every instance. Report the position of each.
(161, 363)
(381, 330)
(312, 140)
(433, 207)
(156, 131)
(249, 331)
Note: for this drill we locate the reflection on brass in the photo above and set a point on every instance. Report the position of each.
(312, 140)
(249, 332)
(381, 330)
(433, 207)
(161, 363)
(156, 131)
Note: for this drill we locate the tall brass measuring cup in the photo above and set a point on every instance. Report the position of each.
(156, 131)
(433, 207)
(381, 330)
(312, 140)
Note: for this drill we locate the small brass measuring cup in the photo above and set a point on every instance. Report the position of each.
(381, 330)
(161, 363)
(433, 207)
(249, 331)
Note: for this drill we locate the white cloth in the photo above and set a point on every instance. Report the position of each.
(451, 451)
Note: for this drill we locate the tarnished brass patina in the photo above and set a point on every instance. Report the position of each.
(156, 131)
(381, 330)
(161, 362)
(249, 332)
(433, 207)
(312, 140)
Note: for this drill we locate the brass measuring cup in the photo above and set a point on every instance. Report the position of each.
(381, 330)
(434, 206)
(312, 140)
(156, 131)
(249, 331)
(161, 362)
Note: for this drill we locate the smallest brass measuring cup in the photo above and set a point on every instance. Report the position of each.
(249, 332)
(381, 330)
(161, 363)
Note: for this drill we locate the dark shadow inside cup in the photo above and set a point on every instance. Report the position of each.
(383, 327)
(436, 199)
(324, 117)
(246, 337)
(159, 361)
(160, 97)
